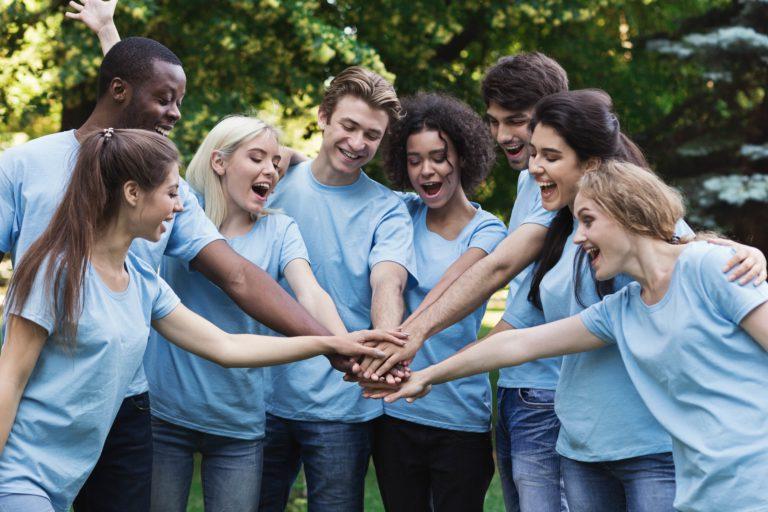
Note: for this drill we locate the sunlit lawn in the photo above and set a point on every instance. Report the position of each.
(493, 500)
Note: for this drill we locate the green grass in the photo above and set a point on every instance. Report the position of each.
(298, 502)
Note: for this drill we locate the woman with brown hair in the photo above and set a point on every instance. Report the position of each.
(78, 317)
(694, 342)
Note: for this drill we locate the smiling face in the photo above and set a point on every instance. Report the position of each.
(510, 130)
(352, 134)
(555, 167)
(249, 174)
(433, 167)
(605, 241)
(154, 207)
(155, 104)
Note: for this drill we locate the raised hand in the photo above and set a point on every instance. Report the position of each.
(416, 387)
(96, 14)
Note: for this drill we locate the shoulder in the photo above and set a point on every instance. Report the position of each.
(703, 255)
(278, 221)
(41, 148)
(486, 219)
(142, 269)
(411, 200)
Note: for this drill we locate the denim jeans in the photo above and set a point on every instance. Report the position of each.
(121, 480)
(335, 457)
(25, 502)
(230, 469)
(639, 484)
(529, 466)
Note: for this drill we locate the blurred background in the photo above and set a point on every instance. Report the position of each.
(688, 77)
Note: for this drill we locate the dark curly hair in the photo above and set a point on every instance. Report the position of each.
(452, 118)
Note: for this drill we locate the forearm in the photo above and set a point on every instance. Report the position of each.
(248, 350)
(10, 396)
(319, 304)
(262, 298)
(108, 37)
(387, 305)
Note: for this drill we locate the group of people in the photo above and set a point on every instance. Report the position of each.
(271, 311)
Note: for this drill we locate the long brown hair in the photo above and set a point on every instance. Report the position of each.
(106, 161)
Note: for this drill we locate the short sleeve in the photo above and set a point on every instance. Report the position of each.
(597, 318)
(393, 239)
(528, 203)
(165, 300)
(293, 246)
(192, 230)
(412, 201)
(7, 204)
(520, 312)
(488, 234)
(732, 300)
(38, 307)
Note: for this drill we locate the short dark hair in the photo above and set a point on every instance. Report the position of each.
(131, 59)
(517, 82)
(451, 117)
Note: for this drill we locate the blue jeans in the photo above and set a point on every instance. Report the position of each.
(335, 457)
(529, 466)
(639, 484)
(121, 480)
(25, 502)
(230, 469)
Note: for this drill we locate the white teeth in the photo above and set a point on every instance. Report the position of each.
(546, 185)
(260, 188)
(162, 131)
(593, 252)
(514, 149)
(351, 156)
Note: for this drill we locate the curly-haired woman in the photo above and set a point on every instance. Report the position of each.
(438, 452)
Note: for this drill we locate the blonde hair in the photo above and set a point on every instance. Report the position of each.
(638, 199)
(362, 83)
(225, 138)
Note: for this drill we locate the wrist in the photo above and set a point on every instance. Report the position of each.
(106, 29)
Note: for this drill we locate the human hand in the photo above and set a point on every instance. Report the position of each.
(96, 14)
(375, 368)
(747, 264)
(365, 343)
(416, 387)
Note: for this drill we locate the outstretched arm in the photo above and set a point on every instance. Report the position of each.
(98, 15)
(196, 334)
(254, 291)
(508, 348)
(21, 348)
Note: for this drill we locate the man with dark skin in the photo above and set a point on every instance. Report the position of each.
(141, 85)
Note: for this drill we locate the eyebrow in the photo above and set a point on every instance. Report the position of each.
(433, 152)
(350, 120)
(551, 150)
(257, 150)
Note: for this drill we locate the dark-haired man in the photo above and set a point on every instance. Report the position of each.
(141, 85)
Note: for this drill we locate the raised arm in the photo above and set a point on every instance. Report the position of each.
(23, 343)
(196, 334)
(508, 348)
(98, 15)
(255, 291)
(311, 295)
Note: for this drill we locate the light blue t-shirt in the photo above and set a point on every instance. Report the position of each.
(602, 417)
(198, 394)
(33, 179)
(347, 229)
(541, 374)
(73, 394)
(702, 376)
(462, 404)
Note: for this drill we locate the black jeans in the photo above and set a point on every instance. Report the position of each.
(121, 480)
(427, 468)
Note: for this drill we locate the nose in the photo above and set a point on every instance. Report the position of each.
(533, 165)
(503, 133)
(356, 141)
(178, 207)
(174, 112)
(579, 238)
(426, 169)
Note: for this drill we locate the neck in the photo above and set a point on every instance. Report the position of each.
(237, 222)
(451, 218)
(325, 173)
(111, 247)
(99, 119)
(651, 264)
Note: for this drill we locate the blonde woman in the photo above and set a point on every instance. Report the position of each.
(198, 406)
(693, 342)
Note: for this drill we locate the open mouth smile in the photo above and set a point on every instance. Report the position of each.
(163, 130)
(431, 188)
(349, 155)
(261, 190)
(514, 150)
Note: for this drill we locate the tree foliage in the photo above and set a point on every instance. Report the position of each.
(276, 56)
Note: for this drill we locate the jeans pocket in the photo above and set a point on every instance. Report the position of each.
(141, 402)
(537, 398)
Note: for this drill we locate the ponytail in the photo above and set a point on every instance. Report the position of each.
(106, 161)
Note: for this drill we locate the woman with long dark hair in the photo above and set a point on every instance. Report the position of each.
(693, 341)
(79, 311)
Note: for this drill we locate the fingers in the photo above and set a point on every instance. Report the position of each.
(370, 352)
(394, 337)
(760, 279)
(372, 371)
(385, 365)
(749, 276)
(722, 241)
(735, 259)
(742, 267)
(76, 6)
